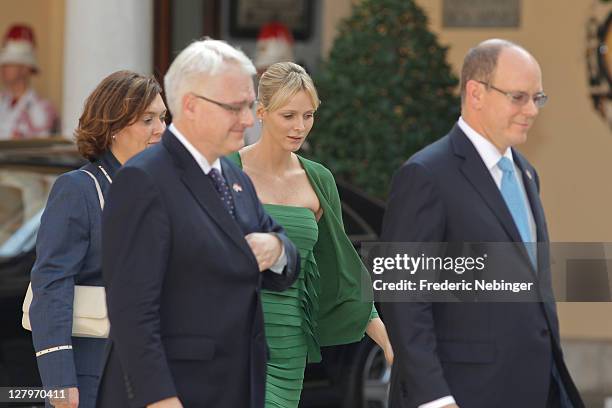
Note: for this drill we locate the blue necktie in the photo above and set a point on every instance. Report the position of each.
(517, 204)
(223, 189)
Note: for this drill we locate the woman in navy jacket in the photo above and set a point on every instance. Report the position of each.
(122, 116)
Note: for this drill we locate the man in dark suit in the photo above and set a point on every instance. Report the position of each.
(473, 186)
(187, 247)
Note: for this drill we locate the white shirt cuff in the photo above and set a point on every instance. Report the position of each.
(280, 263)
(439, 403)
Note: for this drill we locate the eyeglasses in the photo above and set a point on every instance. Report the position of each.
(233, 108)
(520, 98)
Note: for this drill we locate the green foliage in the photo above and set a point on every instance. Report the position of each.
(386, 92)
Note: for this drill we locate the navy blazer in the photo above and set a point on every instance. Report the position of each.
(183, 286)
(483, 354)
(69, 252)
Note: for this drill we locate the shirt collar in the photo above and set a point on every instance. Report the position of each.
(197, 156)
(487, 150)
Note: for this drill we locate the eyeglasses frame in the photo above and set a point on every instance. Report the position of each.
(511, 95)
(228, 107)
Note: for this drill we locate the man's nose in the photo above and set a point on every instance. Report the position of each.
(246, 116)
(530, 109)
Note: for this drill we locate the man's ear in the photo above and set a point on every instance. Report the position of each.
(188, 105)
(474, 94)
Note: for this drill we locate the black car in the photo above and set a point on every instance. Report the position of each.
(354, 375)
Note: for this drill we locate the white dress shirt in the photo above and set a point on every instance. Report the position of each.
(490, 157)
(197, 156)
(281, 262)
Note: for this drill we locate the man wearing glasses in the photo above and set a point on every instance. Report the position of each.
(473, 186)
(187, 247)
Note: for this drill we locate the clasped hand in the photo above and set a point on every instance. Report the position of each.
(266, 248)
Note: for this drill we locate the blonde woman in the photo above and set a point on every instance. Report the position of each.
(323, 307)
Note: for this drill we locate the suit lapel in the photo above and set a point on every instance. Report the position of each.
(537, 210)
(532, 195)
(480, 178)
(203, 191)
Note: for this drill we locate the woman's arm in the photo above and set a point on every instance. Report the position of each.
(378, 332)
(61, 247)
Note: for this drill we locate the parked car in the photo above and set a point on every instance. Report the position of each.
(354, 375)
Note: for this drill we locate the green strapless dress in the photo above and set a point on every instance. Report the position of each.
(290, 316)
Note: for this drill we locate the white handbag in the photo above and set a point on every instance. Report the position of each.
(90, 317)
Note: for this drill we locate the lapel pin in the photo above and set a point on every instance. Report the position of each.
(238, 188)
(528, 173)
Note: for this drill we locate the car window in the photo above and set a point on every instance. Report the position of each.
(355, 226)
(23, 195)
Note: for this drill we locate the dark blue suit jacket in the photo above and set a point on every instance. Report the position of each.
(484, 354)
(69, 252)
(183, 286)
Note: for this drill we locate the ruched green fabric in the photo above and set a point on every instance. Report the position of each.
(330, 303)
(290, 316)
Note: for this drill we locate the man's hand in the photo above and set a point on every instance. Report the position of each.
(173, 402)
(70, 400)
(451, 406)
(266, 248)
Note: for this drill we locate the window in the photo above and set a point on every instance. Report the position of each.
(23, 195)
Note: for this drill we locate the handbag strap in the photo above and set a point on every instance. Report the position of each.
(100, 196)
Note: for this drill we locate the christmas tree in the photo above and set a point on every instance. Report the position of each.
(386, 91)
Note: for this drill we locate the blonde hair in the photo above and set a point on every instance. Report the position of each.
(281, 82)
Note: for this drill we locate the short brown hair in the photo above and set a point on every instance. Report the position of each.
(481, 61)
(281, 82)
(117, 102)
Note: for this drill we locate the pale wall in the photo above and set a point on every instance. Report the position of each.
(47, 19)
(333, 11)
(569, 145)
